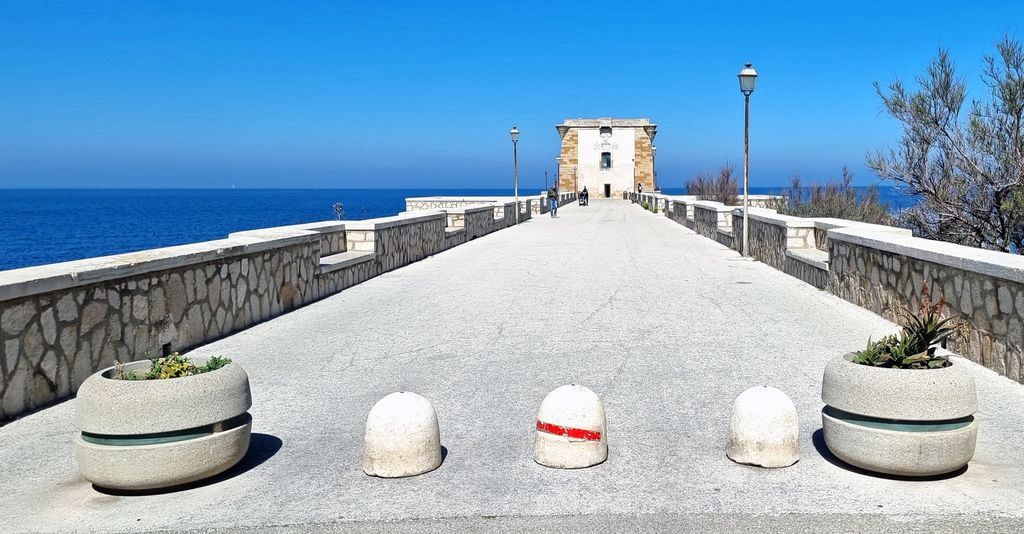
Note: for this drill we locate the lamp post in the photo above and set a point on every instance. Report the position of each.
(558, 170)
(654, 167)
(514, 133)
(748, 79)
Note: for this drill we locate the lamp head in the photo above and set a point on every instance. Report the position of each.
(514, 132)
(748, 79)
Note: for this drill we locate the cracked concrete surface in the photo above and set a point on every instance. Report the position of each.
(666, 326)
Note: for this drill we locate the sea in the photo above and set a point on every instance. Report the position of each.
(40, 226)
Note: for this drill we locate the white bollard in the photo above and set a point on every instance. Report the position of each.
(571, 429)
(402, 437)
(763, 430)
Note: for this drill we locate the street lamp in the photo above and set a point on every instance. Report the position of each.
(558, 171)
(748, 79)
(514, 132)
(654, 168)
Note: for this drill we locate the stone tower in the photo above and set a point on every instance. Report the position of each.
(607, 156)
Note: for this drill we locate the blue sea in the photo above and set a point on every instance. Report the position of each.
(39, 226)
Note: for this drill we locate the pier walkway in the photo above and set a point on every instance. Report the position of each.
(665, 325)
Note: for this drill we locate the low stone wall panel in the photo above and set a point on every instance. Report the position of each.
(811, 274)
(56, 330)
(886, 283)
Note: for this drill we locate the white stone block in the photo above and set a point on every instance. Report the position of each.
(402, 437)
(763, 430)
(571, 429)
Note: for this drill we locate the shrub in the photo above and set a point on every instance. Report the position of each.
(174, 365)
(721, 188)
(835, 199)
(961, 158)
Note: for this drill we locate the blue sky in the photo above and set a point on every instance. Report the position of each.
(422, 94)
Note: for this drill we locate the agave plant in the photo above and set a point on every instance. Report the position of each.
(914, 347)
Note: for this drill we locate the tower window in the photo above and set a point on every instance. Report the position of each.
(606, 160)
(606, 131)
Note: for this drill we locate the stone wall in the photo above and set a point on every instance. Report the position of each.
(883, 269)
(983, 289)
(712, 220)
(60, 323)
(643, 159)
(771, 235)
(568, 160)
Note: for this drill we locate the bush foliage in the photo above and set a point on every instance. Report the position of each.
(963, 161)
(174, 365)
(836, 199)
(720, 188)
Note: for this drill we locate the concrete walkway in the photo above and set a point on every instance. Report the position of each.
(667, 326)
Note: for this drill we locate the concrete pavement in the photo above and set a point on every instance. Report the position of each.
(665, 325)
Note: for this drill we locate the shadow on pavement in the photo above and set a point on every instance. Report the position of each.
(261, 448)
(818, 438)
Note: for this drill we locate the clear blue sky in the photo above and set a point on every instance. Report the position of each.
(422, 94)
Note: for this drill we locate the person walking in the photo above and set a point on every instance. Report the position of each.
(553, 201)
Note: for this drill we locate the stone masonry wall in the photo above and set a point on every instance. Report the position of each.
(705, 221)
(883, 269)
(568, 160)
(60, 323)
(990, 308)
(767, 241)
(643, 161)
(51, 342)
(812, 274)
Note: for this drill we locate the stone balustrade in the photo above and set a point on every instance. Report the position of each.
(884, 269)
(60, 323)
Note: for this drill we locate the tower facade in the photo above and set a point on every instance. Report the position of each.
(607, 156)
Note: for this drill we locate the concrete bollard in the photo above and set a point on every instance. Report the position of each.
(763, 430)
(402, 437)
(571, 429)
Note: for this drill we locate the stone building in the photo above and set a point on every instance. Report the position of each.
(607, 156)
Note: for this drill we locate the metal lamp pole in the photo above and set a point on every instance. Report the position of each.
(654, 166)
(748, 79)
(558, 169)
(514, 133)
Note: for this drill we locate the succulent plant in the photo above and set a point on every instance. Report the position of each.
(914, 347)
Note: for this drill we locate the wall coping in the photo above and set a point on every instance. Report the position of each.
(469, 208)
(711, 205)
(988, 262)
(27, 281)
(770, 216)
(499, 198)
(813, 257)
(828, 223)
(404, 218)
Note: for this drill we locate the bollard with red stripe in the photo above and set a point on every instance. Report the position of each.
(571, 429)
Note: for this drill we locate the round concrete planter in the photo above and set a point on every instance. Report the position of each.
(909, 422)
(149, 434)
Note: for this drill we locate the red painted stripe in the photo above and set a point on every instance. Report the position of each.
(575, 433)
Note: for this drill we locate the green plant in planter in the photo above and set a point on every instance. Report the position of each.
(174, 365)
(914, 347)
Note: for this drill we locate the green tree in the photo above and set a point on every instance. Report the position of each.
(966, 172)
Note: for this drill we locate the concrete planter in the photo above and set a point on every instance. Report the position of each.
(148, 434)
(910, 422)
